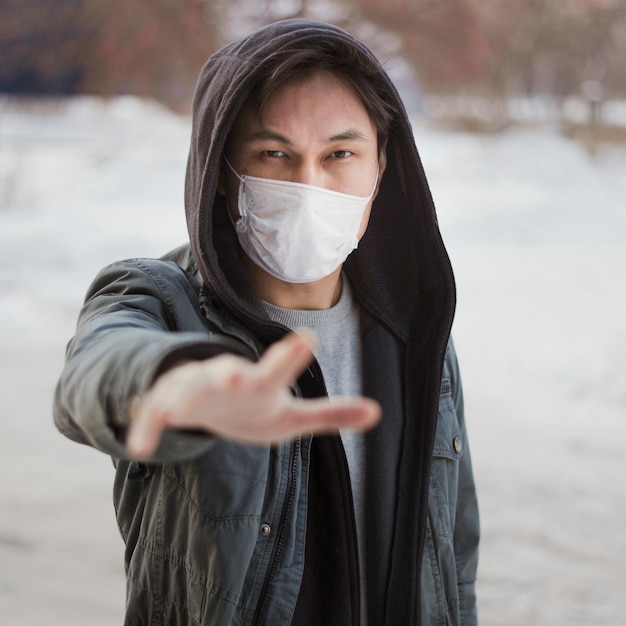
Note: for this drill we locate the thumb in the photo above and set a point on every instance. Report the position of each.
(146, 428)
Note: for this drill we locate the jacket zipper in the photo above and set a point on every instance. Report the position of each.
(280, 541)
(291, 487)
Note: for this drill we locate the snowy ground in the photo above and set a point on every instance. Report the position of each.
(536, 229)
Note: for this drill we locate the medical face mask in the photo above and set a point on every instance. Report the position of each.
(297, 233)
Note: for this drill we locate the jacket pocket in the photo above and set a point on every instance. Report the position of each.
(179, 600)
(212, 515)
(195, 548)
(440, 601)
(225, 485)
(447, 451)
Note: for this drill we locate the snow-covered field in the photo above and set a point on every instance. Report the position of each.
(536, 229)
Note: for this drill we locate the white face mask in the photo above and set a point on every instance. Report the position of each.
(297, 233)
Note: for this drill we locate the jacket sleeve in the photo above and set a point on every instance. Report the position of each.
(467, 525)
(129, 331)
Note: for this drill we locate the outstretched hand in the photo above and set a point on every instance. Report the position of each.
(236, 399)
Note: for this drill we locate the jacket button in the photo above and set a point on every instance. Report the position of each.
(265, 530)
(457, 444)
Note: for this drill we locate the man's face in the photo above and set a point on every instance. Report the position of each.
(314, 131)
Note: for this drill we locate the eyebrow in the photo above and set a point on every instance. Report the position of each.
(350, 134)
(268, 134)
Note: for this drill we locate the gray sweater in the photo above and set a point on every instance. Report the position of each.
(338, 352)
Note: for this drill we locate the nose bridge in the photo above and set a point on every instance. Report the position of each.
(308, 171)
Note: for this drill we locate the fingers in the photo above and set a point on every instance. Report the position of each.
(324, 416)
(285, 360)
(303, 418)
(330, 415)
(234, 398)
(307, 417)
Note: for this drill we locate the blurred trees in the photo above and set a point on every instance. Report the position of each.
(493, 48)
(508, 48)
(106, 47)
(40, 43)
(148, 47)
(539, 46)
(442, 39)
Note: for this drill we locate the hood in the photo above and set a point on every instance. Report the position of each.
(400, 272)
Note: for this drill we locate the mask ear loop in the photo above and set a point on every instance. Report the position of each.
(357, 240)
(375, 182)
(234, 171)
(240, 225)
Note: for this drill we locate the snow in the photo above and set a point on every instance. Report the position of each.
(536, 230)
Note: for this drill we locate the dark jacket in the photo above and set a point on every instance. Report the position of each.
(221, 533)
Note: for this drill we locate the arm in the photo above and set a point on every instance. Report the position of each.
(125, 339)
(467, 529)
(192, 384)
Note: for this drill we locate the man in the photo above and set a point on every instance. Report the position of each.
(256, 484)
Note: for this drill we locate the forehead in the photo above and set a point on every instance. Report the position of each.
(322, 100)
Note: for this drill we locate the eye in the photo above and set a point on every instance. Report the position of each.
(341, 154)
(273, 154)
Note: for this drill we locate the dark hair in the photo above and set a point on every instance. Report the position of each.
(346, 60)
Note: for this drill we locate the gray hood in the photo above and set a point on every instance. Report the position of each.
(400, 271)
